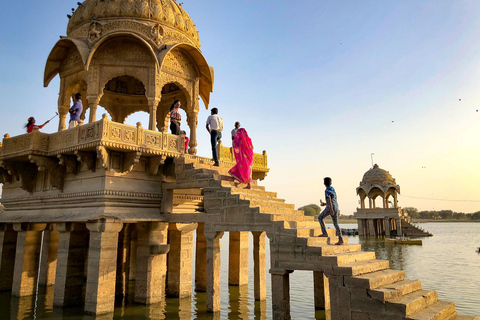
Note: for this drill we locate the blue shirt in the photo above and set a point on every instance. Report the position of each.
(78, 108)
(330, 193)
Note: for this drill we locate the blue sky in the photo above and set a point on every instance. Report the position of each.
(319, 85)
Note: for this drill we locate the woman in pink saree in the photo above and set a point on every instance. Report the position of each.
(243, 150)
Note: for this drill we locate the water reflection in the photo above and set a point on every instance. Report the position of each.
(238, 298)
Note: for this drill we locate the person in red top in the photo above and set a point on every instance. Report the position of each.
(175, 117)
(186, 141)
(31, 124)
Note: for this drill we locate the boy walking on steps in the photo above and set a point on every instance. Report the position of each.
(331, 208)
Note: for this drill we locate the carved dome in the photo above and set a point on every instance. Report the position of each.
(378, 176)
(167, 13)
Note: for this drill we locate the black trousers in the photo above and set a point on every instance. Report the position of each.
(214, 137)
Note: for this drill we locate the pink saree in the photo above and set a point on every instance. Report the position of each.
(243, 150)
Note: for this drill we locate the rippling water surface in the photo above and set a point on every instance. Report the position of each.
(446, 262)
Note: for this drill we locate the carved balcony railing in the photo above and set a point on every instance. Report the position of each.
(111, 135)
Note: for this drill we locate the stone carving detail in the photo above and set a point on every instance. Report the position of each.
(56, 171)
(4, 176)
(154, 164)
(69, 162)
(103, 155)
(178, 62)
(86, 157)
(94, 31)
(25, 172)
(157, 34)
(129, 160)
(173, 144)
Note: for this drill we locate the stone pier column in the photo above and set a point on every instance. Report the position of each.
(399, 226)
(48, 268)
(27, 258)
(387, 227)
(371, 227)
(151, 270)
(259, 266)
(201, 260)
(360, 227)
(8, 244)
(180, 259)
(280, 294)
(70, 273)
(321, 291)
(102, 266)
(238, 258)
(123, 260)
(192, 119)
(213, 270)
(152, 105)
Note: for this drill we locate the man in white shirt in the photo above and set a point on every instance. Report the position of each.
(215, 127)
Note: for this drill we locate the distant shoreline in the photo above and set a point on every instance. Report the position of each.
(414, 221)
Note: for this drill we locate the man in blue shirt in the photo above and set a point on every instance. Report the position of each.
(76, 111)
(331, 208)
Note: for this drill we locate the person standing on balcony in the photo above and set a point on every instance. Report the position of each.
(175, 117)
(31, 124)
(75, 111)
(186, 141)
(215, 127)
(330, 209)
(243, 151)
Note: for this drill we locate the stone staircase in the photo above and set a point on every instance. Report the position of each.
(361, 287)
(411, 230)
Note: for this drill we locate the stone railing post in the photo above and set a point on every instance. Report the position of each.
(102, 266)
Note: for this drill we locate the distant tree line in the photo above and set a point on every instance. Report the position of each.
(314, 210)
(442, 214)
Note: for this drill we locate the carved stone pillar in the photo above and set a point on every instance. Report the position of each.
(260, 266)
(93, 102)
(48, 268)
(70, 275)
(152, 105)
(62, 115)
(192, 119)
(102, 266)
(8, 244)
(371, 227)
(387, 227)
(180, 259)
(29, 237)
(123, 260)
(201, 260)
(399, 227)
(280, 294)
(152, 249)
(238, 258)
(321, 291)
(213, 270)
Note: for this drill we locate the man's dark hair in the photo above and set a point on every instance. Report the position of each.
(214, 111)
(78, 96)
(327, 181)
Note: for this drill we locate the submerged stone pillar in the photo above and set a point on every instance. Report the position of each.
(280, 294)
(201, 260)
(387, 227)
(213, 270)
(152, 249)
(371, 227)
(102, 266)
(321, 291)
(123, 260)
(8, 244)
(70, 270)
(180, 260)
(27, 258)
(48, 266)
(259, 266)
(360, 227)
(399, 226)
(238, 258)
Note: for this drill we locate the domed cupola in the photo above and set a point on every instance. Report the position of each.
(378, 182)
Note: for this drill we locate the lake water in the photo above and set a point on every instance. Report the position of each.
(447, 262)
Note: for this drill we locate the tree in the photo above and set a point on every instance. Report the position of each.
(412, 212)
(476, 215)
(311, 209)
(446, 214)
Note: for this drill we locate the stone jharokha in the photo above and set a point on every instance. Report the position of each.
(104, 204)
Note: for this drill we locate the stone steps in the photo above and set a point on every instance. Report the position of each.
(458, 317)
(395, 290)
(412, 302)
(375, 279)
(256, 190)
(270, 204)
(361, 267)
(440, 310)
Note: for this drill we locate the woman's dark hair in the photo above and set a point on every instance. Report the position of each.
(173, 104)
(30, 121)
(327, 181)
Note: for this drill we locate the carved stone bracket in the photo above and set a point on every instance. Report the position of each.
(4, 176)
(86, 157)
(56, 171)
(23, 171)
(103, 155)
(129, 160)
(154, 163)
(69, 162)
